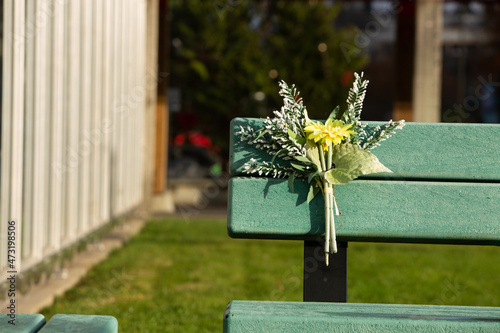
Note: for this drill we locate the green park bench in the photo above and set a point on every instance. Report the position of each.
(60, 323)
(444, 189)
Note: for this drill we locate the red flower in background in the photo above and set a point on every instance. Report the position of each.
(195, 138)
(346, 78)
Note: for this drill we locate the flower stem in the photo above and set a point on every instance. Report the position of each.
(322, 158)
(326, 196)
(329, 158)
(333, 240)
(332, 227)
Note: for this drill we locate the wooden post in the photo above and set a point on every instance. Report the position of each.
(161, 145)
(162, 105)
(405, 48)
(428, 61)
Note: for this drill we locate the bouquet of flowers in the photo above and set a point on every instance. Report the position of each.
(326, 154)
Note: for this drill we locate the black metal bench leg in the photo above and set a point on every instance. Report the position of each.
(325, 283)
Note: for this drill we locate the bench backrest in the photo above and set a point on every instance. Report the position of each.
(445, 188)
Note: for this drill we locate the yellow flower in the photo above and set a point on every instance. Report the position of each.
(332, 132)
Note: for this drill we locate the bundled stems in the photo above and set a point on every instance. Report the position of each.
(327, 223)
(330, 232)
(330, 237)
(333, 236)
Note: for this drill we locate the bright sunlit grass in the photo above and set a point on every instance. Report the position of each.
(178, 276)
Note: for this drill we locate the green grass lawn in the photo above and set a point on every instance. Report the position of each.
(178, 276)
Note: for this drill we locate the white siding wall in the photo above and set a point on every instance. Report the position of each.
(73, 120)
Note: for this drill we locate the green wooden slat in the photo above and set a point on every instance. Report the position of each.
(24, 323)
(290, 317)
(63, 323)
(419, 150)
(372, 210)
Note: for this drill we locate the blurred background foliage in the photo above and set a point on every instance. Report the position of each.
(227, 57)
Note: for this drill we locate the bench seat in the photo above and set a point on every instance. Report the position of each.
(263, 316)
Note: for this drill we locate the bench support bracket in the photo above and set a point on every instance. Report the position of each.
(324, 283)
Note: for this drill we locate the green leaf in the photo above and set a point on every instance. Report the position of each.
(314, 189)
(310, 193)
(311, 176)
(291, 178)
(312, 152)
(298, 166)
(277, 153)
(262, 132)
(352, 161)
(302, 159)
(335, 113)
(301, 140)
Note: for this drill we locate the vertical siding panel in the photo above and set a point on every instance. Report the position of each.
(129, 92)
(17, 107)
(96, 134)
(120, 110)
(135, 92)
(12, 123)
(73, 109)
(91, 114)
(138, 93)
(141, 68)
(124, 100)
(138, 98)
(40, 151)
(107, 125)
(29, 131)
(114, 109)
(57, 100)
(47, 80)
(101, 116)
(84, 144)
(6, 131)
(141, 93)
(61, 168)
(130, 106)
